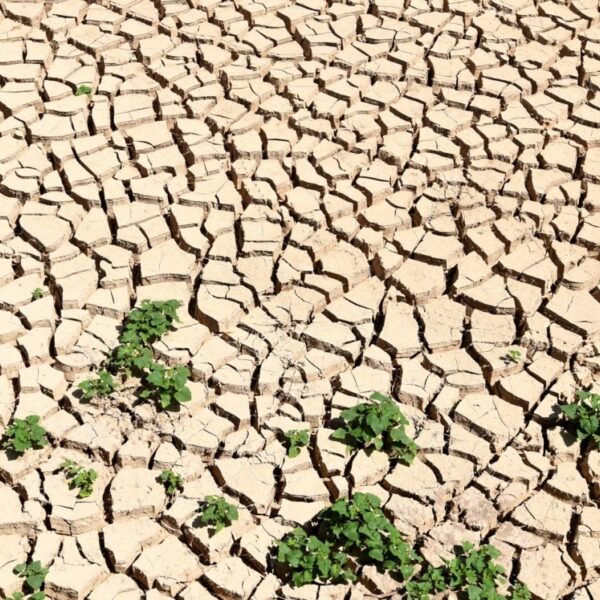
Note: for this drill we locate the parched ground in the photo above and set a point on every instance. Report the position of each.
(347, 197)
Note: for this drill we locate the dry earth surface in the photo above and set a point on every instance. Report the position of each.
(347, 197)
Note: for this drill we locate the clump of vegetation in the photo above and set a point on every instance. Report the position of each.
(34, 575)
(216, 513)
(380, 425)
(295, 440)
(585, 415)
(513, 356)
(473, 572)
(167, 385)
(79, 477)
(132, 358)
(312, 560)
(150, 321)
(353, 533)
(171, 480)
(101, 387)
(23, 434)
(83, 90)
(37, 294)
(356, 528)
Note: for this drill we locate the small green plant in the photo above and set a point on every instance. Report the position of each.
(79, 478)
(311, 560)
(167, 385)
(295, 440)
(217, 513)
(473, 572)
(101, 387)
(360, 528)
(34, 575)
(171, 480)
(356, 528)
(37, 294)
(378, 424)
(83, 90)
(23, 434)
(132, 358)
(513, 356)
(150, 321)
(585, 415)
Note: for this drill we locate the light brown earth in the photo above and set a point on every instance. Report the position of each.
(347, 197)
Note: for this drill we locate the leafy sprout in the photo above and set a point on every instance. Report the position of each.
(380, 425)
(37, 294)
(83, 90)
(23, 434)
(167, 385)
(79, 478)
(585, 415)
(150, 321)
(473, 571)
(34, 575)
(312, 560)
(217, 513)
(295, 440)
(513, 355)
(131, 357)
(101, 387)
(171, 480)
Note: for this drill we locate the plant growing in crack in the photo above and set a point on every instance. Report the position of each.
(34, 575)
(379, 425)
(83, 90)
(216, 513)
(167, 386)
(79, 477)
(151, 320)
(172, 481)
(473, 573)
(311, 560)
(100, 387)
(37, 294)
(24, 434)
(584, 414)
(132, 358)
(513, 356)
(295, 440)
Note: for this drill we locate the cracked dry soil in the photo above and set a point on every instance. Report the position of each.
(347, 197)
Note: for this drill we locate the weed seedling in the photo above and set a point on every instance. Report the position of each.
(585, 415)
(150, 321)
(79, 477)
(473, 573)
(380, 425)
(34, 575)
(167, 386)
(101, 387)
(37, 294)
(23, 434)
(513, 356)
(217, 513)
(131, 357)
(171, 480)
(360, 528)
(83, 90)
(295, 440)
(311, 560)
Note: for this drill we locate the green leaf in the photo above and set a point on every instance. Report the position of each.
(83, 90)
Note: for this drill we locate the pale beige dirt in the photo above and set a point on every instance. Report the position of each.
(347, 197)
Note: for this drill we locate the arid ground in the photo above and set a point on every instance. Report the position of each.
(394, 196)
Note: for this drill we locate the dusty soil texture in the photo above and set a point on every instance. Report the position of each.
(347, 197)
